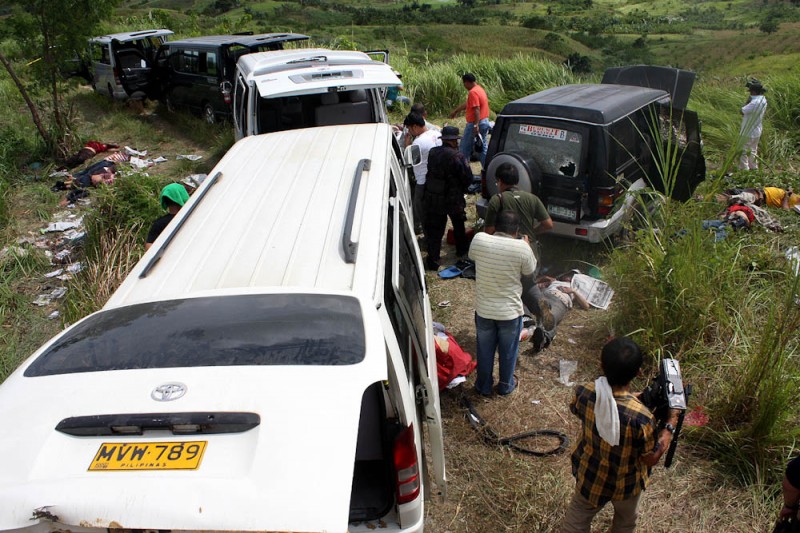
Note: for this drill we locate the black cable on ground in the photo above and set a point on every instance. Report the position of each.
(491, 437)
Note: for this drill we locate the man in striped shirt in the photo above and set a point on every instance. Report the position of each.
(500, 262)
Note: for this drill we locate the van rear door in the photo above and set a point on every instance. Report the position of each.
(134, 60)
(408, 284)
(319, 77)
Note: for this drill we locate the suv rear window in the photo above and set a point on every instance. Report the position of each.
(272, 329)
(556, 150)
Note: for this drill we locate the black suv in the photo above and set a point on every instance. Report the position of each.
(583, 148)
(196, 73)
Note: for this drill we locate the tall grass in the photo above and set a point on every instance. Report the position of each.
(712, 305)
(438, 85)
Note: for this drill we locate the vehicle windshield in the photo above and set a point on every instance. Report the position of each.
(556, 150)
(271, 329)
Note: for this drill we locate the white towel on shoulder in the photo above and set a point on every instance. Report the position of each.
(606, 416)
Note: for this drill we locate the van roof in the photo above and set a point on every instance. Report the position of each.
(597, 103)
(275, 220)
(314, 70)
(244, 40)
(130, 36)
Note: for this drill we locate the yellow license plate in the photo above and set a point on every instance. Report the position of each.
(149, 456)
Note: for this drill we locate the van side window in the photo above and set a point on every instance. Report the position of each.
(208, 63)
(403, 286)
(409, 280)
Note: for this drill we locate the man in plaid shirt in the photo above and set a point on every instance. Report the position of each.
(618, 443)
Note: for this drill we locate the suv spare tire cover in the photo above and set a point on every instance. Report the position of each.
(530, 177)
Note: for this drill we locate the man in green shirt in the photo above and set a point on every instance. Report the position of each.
(533, 220)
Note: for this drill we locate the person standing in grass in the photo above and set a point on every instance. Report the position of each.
(173, 196)
(477, 114)
(618, 443)
(447, 181)
(533, 220)
(752, 117)
(500, 262)
(425, 139)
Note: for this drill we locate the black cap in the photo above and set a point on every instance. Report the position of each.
(450, 133)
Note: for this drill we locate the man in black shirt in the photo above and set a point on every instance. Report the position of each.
(446, 182)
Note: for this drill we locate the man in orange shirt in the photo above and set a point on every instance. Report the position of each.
(477, 114)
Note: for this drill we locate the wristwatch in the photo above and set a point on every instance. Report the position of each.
(669, 427)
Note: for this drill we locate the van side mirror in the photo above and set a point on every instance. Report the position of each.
(413, 155)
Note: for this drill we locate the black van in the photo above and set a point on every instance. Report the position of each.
(583, 148)
(196, 73)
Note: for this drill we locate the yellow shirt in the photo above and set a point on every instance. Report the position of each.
(774, 197)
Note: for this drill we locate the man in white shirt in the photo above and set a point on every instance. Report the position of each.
(752, 117)
(425, 139)
(500, 262)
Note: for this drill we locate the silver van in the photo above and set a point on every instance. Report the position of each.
(129, 55)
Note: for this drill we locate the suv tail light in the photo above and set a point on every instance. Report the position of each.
(116, 76)
(605, 201)
(484, 189)
(405, 466)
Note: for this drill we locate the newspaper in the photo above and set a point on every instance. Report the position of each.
(597, 293)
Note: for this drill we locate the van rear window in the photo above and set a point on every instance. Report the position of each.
(242, 330)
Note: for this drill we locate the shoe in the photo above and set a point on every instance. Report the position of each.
(463, 264)
(548, 320)
(432, 266)
(538, 340)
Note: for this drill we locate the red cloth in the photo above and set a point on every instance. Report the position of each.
(97, 146)
(451, 238)
(451, 361)
(746, 210)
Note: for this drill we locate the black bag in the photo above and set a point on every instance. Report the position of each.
(792, 525)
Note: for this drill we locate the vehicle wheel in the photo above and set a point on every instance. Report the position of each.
(208, 114)
(530, 176)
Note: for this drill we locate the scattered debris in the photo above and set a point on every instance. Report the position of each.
(190, 157)
(55, 314)
(565, 369)
(47, 298)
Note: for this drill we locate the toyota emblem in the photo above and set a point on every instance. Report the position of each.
(168, 392)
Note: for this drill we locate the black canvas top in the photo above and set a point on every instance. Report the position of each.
(244, 40)
(592, 103)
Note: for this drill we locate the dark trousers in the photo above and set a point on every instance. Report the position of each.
(435, 224)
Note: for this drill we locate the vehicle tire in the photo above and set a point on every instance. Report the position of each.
(208, 114)
(530, 176)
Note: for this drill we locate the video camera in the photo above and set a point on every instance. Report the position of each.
(666, 392)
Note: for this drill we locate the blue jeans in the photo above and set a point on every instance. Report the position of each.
(468, 140)
(502, 336)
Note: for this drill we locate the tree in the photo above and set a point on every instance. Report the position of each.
(769, 26)
(48, 34)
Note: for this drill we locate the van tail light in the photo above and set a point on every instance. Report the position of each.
(226, 88)
(116, 76)
(406, 466)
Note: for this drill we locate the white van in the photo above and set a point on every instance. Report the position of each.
(267, 366)
(125, 58)
(304, 88)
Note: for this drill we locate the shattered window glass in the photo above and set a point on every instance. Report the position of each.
(556, 150)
